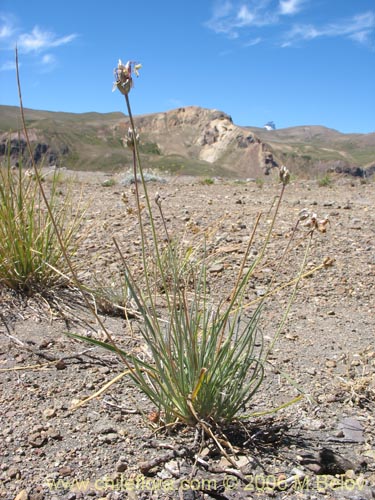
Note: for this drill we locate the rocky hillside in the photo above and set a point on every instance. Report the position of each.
(189, 140)
(319, 149)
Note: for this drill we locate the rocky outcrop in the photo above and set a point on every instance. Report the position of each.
(14, 147)
(209, 136)
(342, 167)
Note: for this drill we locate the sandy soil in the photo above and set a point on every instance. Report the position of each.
(323, 446)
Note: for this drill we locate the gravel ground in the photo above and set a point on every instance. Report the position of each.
(321, 447)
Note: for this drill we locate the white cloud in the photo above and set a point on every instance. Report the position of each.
(245, 17)
(39, 40)
(8, 66)
(228, 17)
(5, 31)
(6, 27)
(241, 18)
(254, 41)
(358, 28)
(288, 7)
(361, 36)
(48, 59)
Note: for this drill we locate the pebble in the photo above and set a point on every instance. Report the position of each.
(49, 412)
(331, 363)
(121, 465)
(216, 268)
(109, 438)
(54, 434)
(65, 471)
(60, 365)
(105, 428)
(22, 495)
(14, 473)
(36, 440)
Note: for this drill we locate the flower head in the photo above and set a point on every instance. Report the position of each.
(284, 175)
(123, 76)
(311, 222)
(131, 139)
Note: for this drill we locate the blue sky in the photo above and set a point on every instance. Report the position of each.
(296, 62)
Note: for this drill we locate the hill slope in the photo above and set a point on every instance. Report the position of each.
(317, 147)
(188, 140)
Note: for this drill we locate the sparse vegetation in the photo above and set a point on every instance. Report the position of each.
(205, 359)
(109, 182)
(196, 297)
(31, 259)
(207, 181)
(149, 148)
(95, 142)
(325, 181)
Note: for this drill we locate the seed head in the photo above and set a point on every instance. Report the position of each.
(123, 76)
(131, 140)
(311, 221)
(284, 175)
(158, 199)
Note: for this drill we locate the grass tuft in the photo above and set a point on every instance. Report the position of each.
(203, 358)
(31, 259)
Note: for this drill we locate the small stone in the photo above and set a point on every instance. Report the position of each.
(350, 474)
(14, 473)
(243, 461)
(216, 268)
(331, 363)
(49, 413)
(65, 471)
(54, 434)
(121, 465)
(36, 440)
(112, 437)
(172, 468)
(37, 493)
(105, 428)
(60, 365)
(22, 495)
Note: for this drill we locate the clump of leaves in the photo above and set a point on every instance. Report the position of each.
(208, 181)
(31, 259)
(325, 181)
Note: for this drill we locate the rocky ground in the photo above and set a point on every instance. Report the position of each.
(322, 447)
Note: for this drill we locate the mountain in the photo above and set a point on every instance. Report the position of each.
(316, 148)
(189, 140)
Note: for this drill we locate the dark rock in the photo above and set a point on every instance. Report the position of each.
(36, 440)
(244, 141)
(39, 152)
(327, 461)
